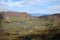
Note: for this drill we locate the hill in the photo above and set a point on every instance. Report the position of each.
(20, 26)
(53, 17)
(16, 14)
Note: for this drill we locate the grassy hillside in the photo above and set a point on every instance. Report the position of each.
(29, 29)
(23, 24)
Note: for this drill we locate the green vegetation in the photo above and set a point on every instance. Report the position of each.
(29, 29)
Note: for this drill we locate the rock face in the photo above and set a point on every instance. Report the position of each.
(16, 14)
(51, 17)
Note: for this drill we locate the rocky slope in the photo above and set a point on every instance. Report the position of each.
(51, 17)
(16, 14)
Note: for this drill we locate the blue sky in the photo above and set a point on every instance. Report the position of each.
(31, 6)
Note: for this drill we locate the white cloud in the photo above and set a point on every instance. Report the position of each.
(7, 6)
(10, 3)
(50, 9)
(36, 2)
(54, 7)
(30, 5)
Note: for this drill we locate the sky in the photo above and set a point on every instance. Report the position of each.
(31, 6)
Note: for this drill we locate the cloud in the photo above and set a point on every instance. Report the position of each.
(54, 7)
(31, 6)
(10, 3)
(50, 9)
(36, 2)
